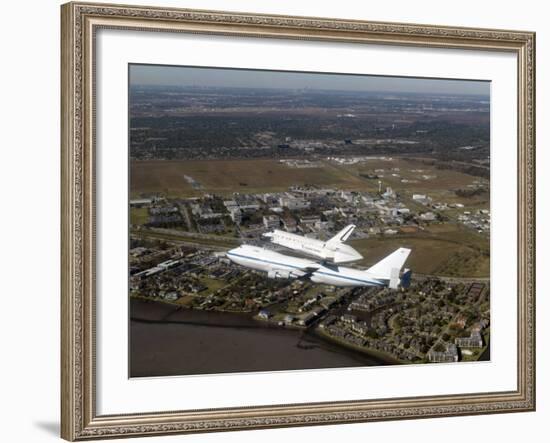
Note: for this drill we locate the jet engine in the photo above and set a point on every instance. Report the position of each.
(276, 273)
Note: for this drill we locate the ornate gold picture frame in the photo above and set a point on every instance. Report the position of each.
(80, 22)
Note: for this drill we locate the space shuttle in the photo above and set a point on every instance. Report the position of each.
(385, 273)
(333, 250)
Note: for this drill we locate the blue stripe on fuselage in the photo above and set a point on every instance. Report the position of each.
(264, 261)
(372, 282)
(343, 277)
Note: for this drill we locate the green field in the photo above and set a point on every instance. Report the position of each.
(446, 250)
(213, 284)
(139, 216)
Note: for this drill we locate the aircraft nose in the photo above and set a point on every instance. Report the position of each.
(233, 251)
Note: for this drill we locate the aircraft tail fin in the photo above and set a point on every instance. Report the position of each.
(342, 236)
(389, 267)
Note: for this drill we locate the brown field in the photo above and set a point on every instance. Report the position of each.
(267, 175)
(447, 250)
(228, 176)
(139, 216)
(443, 249)
(441, 187)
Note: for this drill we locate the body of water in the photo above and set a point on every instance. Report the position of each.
(165, 340)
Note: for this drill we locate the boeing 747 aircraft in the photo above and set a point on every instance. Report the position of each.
(333, 250)
(275, 264)
(384, 273)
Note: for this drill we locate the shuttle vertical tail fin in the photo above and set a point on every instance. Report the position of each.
(342, 236)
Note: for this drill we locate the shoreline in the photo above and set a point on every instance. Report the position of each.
(384, 357)
(166, 341)
(387, 358)
(250, 322)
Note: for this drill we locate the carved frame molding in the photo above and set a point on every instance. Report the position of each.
(79, 24)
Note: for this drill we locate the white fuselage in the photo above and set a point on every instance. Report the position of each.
(342, 276)
(337, 252)
(275, 264)
(283, 266)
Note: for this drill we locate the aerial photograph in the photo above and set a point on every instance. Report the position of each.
(299, 220)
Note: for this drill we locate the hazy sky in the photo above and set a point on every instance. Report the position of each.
(187, 76)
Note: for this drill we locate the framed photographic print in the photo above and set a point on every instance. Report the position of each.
(280, 221)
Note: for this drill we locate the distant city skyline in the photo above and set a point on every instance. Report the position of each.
(161, 75)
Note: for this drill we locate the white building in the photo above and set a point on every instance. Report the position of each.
(293, 202)
(389, 193)
(427, 216)
(419, 196)
(139, 202)
(236, 215)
